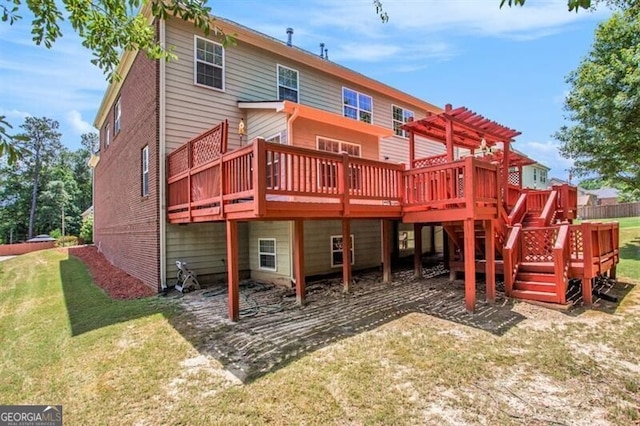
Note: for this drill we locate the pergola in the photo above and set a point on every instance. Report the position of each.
(463, 128)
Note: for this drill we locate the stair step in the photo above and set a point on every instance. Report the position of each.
(535, 286)
(534, 295)
(539, 267)
(538, 277)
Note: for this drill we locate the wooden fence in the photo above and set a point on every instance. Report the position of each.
(610, 211)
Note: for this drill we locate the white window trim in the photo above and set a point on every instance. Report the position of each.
(358, 107)
(274, 254)
(341, 142)
(195, 64)
(331, 250)
(405, 134)
(145, 170)
(117, 116)
(278, 66)
(107, 134)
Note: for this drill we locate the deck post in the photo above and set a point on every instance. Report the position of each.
(490, 265)
(386, 251)
(232, 270)
(587, 262)
(346, 255)
(412, 148)
(448, 125)
(451, 253)
(505, 168)
(417, 251)
(259, 177)
(469, 265)
(432, 240)
(298, 253)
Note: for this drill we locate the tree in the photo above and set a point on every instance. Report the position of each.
(603, 105)
(8, 147)
(42, 139)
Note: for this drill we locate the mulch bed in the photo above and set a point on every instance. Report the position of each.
(114, 281)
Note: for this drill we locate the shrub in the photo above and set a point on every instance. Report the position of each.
(56, 233)
(67, 241)
(86, 230)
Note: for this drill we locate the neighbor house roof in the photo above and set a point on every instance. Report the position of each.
(604, 192)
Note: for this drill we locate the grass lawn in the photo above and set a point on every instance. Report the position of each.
(123, 362)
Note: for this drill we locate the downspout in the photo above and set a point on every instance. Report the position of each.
(292, 275)
(162, 164)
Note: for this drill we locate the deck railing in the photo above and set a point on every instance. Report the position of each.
(265, 171)
(596, 245)
(512, 254)
(429, 161)
(463, 183)
(562, 263)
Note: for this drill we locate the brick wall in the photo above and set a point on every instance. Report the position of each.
(126, 223)
(17, 249)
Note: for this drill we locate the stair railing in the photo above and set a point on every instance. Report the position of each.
(512, 257)
(550, 208)
(519, 210)
(561, 263)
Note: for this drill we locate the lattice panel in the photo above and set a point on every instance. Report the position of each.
(514, 178)
(577, 246)
(430, 161)
(207, 147)
(538, 244)
(178, 161)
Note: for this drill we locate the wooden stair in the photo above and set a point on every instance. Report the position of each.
(535, 281)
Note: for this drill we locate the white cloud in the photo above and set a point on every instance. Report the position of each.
(78, 124)
(14, 113)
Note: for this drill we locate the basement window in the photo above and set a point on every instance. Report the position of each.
(336, 251)
(267, 254)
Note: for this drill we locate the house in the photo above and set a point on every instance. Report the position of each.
(264, 160)
(535, 175)
(605, 196)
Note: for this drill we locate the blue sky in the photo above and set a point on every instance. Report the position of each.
(506, 64)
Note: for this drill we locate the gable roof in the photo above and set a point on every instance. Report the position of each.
(252, 37)
(604, 192)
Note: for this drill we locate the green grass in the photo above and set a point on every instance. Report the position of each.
(123, 362)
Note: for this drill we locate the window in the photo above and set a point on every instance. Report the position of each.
(267, 253)
(357, 105)
(274, 168)
(543, 176)
(107, 135)
(535, 175)
(336, 250)
(406, 240)
(328, 176)
(209, 64)
(400, 116)
(117, 114)
(287, 84)
(145, 171)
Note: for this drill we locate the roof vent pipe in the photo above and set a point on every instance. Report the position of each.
(322, 50)
(289, 34)
(326, 54)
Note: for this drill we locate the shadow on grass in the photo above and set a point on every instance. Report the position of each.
(90, 308)
(283, 332)
(631, 250)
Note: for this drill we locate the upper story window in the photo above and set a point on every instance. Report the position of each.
(117, 117)
(209, 63)
(543, 176)
(107, 135)
(357, 105)
(535, 174)
(145, 171)
(287, 84)
(400, 116)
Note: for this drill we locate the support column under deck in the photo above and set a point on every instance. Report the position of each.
(298, 254)
(346, 255)
(386, 251)
(490, 265)
(469, 265)
(417, 251)
(232, 265)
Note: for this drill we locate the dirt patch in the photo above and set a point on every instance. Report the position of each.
(114, 281)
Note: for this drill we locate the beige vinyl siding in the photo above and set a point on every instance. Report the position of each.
(203, 246)
(265, 124)
(280, 230)
(317, 247)
(305, 133)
